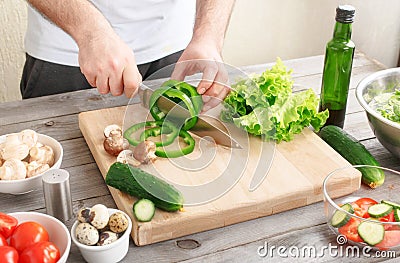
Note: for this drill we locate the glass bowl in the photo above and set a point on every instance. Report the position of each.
(367, 216)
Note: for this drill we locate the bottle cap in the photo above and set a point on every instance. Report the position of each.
(57, 194)
(345, 14)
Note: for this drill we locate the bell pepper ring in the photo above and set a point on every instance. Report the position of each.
(157, 131)
(187, 138)
(189, 90)
(173, 94)
(167, 127)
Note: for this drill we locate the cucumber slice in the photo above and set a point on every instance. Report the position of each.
(392, 204)
(371, 233)
(144, 210)
(379, 210)
(340, 218)
(397, 215)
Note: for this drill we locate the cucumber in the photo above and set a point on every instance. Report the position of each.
(392, 204)
(397, 215)
(355, 153)
(144, 210)
(379, 210)
(340, 218)
(371, 233)
(134, 181)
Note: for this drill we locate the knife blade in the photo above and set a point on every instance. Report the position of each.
(206, 126)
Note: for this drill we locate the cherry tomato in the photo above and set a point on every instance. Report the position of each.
(361, 206)
(350, 230)
(27, 234)
(391, 239)
(8, 255)
(41, 252)
(3, 241)
(7, 224)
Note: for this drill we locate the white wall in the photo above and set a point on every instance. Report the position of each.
(260, 31)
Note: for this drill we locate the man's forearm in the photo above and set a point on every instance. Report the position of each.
(212, 19)
(79, 18)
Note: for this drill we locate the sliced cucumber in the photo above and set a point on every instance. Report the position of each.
(340, 218)
(371, 233)
(379, 210)
(144, 210)
(392, 204)
(397, 215)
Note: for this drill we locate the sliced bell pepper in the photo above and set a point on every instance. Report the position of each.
(187, 138)
(189, 90)
(165, 127)
(172, 94)
(157, 131)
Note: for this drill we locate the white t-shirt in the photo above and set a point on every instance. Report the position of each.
(152, 28)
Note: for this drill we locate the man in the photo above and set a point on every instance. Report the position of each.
(99, 43)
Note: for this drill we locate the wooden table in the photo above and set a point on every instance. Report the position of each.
(57, 116)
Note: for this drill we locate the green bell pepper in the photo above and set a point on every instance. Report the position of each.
(187, 138)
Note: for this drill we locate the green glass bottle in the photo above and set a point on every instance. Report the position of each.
(337, 67)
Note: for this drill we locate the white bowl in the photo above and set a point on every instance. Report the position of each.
(58, 232)
(27, 185)
(110, 253)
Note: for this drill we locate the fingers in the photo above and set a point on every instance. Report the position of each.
(209, 76)
(179, 72)
(131, 81)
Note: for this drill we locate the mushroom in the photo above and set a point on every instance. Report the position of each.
(115, 143)
(12, 169)
(35, 168)
(14, 149)
(118, 222)
(42, 154)
(28, 137)
(87, 234)
(107, 237)
(126, 156)
(99, 216)
(145, 152)
(113, 128)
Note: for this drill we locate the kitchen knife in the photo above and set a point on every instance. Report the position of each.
(206, 125)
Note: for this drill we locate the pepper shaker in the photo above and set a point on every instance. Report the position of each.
(57, 194)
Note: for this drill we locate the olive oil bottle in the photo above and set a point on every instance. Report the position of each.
(337, 67)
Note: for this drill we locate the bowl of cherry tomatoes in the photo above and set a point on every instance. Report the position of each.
(367, 216)
(31, 237)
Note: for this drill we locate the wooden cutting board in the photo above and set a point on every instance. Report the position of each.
(294, 180)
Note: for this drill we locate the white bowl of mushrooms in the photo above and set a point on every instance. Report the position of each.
(24, 157)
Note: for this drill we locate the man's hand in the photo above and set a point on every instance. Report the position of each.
(202, 57)
(105, 60)
(109, 64)
(203, 54)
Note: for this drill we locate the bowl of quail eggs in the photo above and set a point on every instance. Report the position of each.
(24, 157)
(102, 234)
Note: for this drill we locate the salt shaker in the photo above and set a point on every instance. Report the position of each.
(57, 194)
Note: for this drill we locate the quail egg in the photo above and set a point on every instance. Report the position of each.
(118, 222)
(87, 234)
(99, 216)
(84, 215)
(107, 237)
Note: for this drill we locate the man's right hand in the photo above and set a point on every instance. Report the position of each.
(109, 64)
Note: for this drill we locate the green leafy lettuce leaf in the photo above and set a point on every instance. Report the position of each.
(388, 104)
(265, 105)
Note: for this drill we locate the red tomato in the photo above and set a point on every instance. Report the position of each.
(7, 224)
(3, 241)
(391, 239)
(8, 255)
(42, 252)
(27, 234)
(362, 206)
(350, 230)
